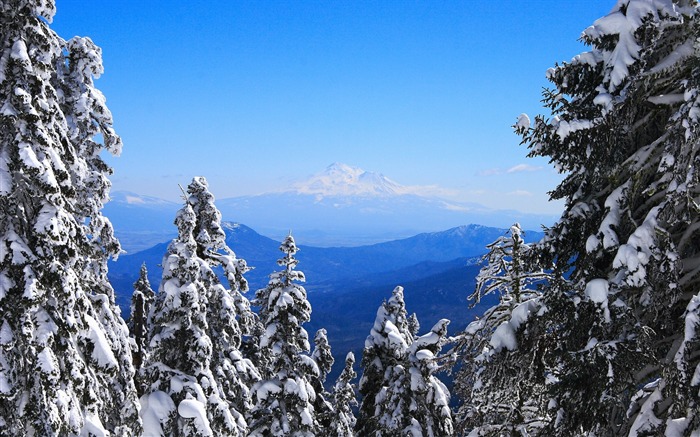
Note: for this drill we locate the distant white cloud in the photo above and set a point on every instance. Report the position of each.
(515, 169)
(523, 167)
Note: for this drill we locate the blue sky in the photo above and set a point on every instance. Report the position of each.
(255, 94)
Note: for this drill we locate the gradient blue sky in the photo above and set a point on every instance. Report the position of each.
(255, 94)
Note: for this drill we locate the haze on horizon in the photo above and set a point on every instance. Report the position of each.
(256, 96)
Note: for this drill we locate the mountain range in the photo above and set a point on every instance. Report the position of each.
(360, 234)
(340, 206)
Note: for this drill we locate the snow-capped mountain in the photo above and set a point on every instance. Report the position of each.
(345, 205)
(340, 206)
(343, 180)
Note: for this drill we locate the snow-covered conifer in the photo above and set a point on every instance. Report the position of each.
(414, 402)
(323, 358)
(195, 373)
(322, 354)
(141, 301)
(284, 398)
(386, 348)
(499, 392)
(618, 338)
(229, 315)
(65, 360)
(344, 400)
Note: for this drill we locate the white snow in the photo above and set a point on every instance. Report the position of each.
(155, 410)
(504, 337)
(5, 176)
(5, 284)
(692, 322)
(193, 409)
(523, 123)
(6, 336)
(19, 51)
(677, 427)
(101, 352)
(48, 364)
(626, 51)
(565, 128)
(92, 427)
(264, 390)
(612, 218)
(636, 253)
(522, 312)
(597, 290)
(28, 157)
(592, 243)
(667, 99)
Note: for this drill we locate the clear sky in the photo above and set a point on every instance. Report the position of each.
(255, 94)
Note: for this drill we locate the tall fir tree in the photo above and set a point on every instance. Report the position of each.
(618, 330)
(194, 382)
(65, 359)
(323, 357)
(413, 401)
(386, 347)
(228, 312)
(344, 400)
(501, 395)
(285, 397)
(141, 301)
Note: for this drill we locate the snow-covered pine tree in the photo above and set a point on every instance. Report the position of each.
(65, 360)
(324, 360)
(622, 311)
(141, 301)
(284, 398)
(194, 382)
(413, 401)
(500, 394)
(344, 400)
(228, 312)
(430, 410)
(386, 348)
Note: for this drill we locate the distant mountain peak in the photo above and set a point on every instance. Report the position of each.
(340, 179)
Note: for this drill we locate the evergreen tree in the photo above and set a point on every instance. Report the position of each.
(141, 301)
(323, 358)
(344, 400)
(413, 401)
(194, 373)
(284, 398)
(228, 312)
(621, 312)
(500, 395)
(386, 348)
(65, 360)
